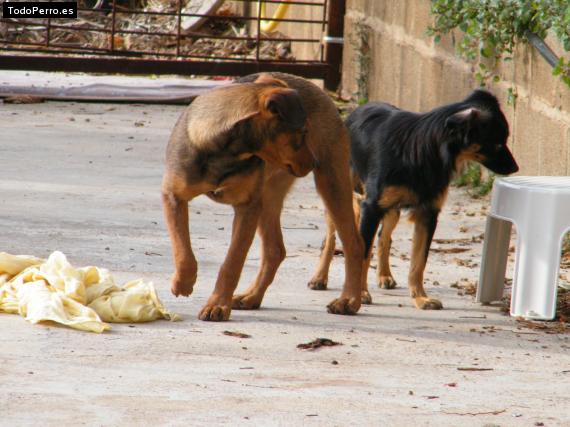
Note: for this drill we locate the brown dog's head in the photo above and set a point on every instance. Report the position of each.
(282, 125)
(265, 118)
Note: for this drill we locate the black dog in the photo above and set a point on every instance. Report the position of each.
(404, 160)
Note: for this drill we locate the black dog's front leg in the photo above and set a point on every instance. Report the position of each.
(425, 223)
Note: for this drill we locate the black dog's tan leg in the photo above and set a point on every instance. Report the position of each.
(383, 273)
(272, 246)
(176, 194)
(424, 227)
(365, 296)
(320, 278)
(335, 188)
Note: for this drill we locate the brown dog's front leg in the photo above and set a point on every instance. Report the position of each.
(219, 304)
(424, 227)
(272, 246)
(176, 214)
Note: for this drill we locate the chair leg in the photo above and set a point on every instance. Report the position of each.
(536, 271)
(494, 260)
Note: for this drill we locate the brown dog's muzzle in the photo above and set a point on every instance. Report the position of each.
(304, 162)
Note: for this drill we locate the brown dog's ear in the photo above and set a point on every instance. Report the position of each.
(287, 105)
(268, 79)
(216, 112)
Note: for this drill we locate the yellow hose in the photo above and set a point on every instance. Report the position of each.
(268, 26)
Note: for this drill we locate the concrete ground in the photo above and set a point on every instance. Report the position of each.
(84, 179)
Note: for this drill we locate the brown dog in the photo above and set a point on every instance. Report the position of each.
(243, 144)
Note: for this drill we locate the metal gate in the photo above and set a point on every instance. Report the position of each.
(103, 40)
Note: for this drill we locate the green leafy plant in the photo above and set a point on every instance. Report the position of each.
(475, 180)
(360, 42)
(492, 28)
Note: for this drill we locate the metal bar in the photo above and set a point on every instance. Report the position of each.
(218, 17)
(300, 3)
(334, 50)
(258, 35)
(149, 66)
(48, 27)
(178, 26)
(246, 12)
(113, 27)
(291, 20)
(322, 48)
(545, 50)
(188, 35)
(115, 58)
(137, 54)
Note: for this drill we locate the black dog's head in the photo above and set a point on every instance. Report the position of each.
(481, 129)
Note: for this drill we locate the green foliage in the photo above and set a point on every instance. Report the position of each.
(493, 27)
(360, 42)
(472, 178)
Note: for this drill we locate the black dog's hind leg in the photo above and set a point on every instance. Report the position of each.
(425, 223)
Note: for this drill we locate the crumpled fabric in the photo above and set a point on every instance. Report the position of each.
(81, 298)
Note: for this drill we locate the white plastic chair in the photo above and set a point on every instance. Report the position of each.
(539, 206)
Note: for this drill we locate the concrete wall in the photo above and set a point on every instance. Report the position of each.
(407, 69)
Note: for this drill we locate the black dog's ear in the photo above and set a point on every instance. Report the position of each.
(463, 119)
(287, 105)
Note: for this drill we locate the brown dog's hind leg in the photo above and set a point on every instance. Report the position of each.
(335, 188)
(383, 273)
(176, 194)
(320, 279)
(272, 246)
(424, 227)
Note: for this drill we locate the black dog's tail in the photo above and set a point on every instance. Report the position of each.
(357, 186)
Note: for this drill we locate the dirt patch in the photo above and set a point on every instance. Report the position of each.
(560, 324)
(236, 334)
(318, 343)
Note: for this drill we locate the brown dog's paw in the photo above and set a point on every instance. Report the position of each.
(344, 306)
(317, 285)
(386, 282)
(246, 302)
(215, 313)
(425, 303)
(183, 285)
(366, 298)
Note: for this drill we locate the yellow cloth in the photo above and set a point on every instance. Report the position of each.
(82, 298)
